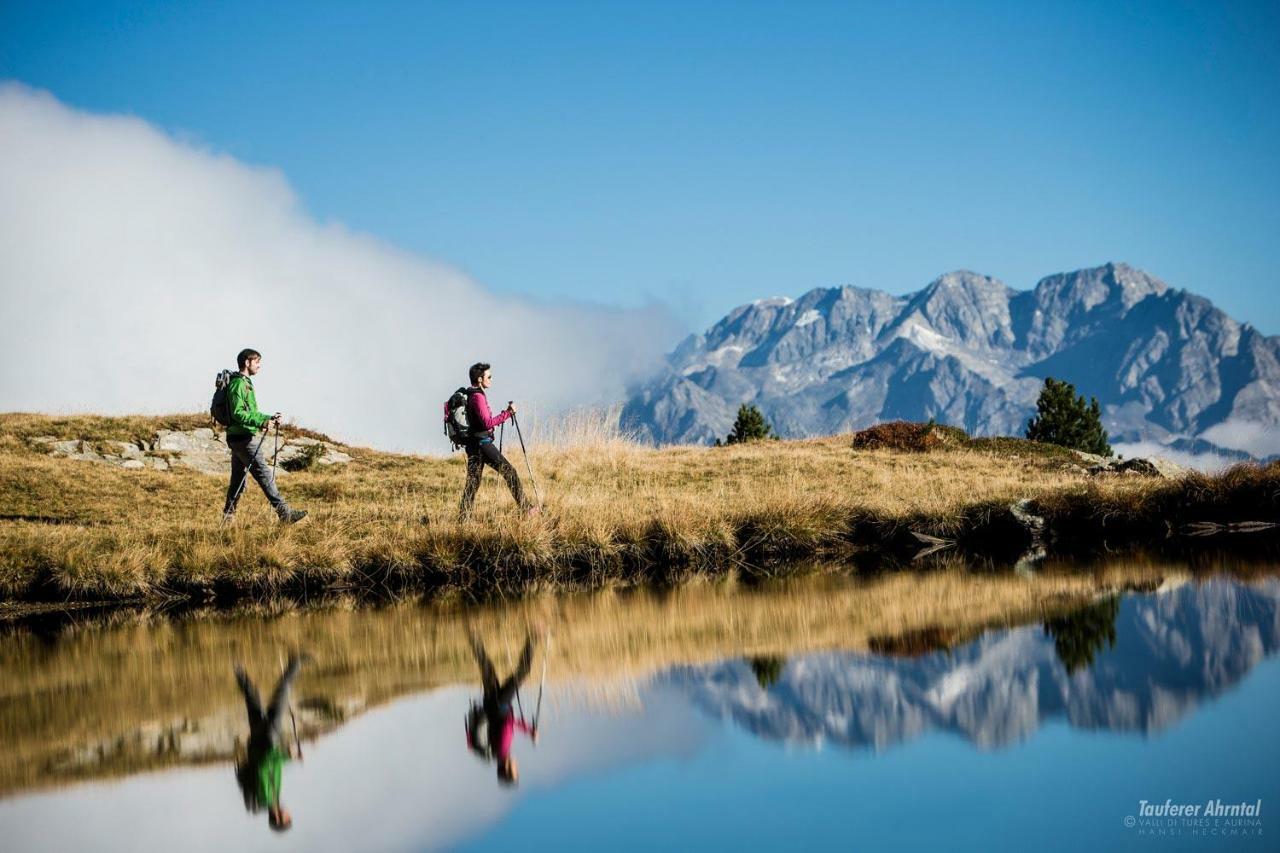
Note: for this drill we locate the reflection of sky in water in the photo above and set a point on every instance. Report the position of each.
(990, 745)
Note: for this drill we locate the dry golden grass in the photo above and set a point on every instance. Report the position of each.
(117, 691)
(613, 511)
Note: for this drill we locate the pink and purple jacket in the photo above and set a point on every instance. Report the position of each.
(478, 409)
(503, 747)
(506, 735)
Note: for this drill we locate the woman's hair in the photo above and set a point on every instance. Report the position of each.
(477, 370)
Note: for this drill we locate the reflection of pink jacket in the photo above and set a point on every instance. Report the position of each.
(509, 726)
(506, 735)
(478, 408)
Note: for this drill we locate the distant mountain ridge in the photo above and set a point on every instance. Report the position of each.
(1166, 365)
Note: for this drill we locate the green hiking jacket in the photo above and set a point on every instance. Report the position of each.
(245, 417)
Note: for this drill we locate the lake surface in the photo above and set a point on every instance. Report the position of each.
(1035, 732)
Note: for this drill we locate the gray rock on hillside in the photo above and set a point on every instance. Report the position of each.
(1167, 366)
(1145, 467)
(123, 453)
(297, 448)
(201, 450)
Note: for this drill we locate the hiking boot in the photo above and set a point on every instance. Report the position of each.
(228, 518)
(293, 516)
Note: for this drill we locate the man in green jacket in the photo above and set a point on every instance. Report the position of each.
(246, 454)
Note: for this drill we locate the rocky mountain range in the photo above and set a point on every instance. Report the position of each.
(1173, 650)
(1167, 366)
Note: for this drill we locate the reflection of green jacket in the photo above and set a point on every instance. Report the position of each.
(269, 772)
(245, 417)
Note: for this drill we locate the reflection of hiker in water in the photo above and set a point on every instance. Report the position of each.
(496, 712)
(260, 771)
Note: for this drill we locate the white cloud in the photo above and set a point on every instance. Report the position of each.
(1261, 440)
(1208, 462)
(134, 266)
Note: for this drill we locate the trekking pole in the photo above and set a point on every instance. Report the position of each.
(529, 467)
(276, 453)
(244, 478)
(519, 707)
(294, 720)
(546, 653)
(502, 431)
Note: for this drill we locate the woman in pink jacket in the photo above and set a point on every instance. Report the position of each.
(480, 448)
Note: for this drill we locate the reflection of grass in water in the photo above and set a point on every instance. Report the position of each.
(103, 679)
(615, 512)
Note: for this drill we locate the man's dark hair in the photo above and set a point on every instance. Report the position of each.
(477, 370)
(245, 354)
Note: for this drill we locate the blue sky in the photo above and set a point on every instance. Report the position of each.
(707, 154)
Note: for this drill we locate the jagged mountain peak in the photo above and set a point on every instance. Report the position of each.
(964, 281)
(1095, 286)
(964, 307)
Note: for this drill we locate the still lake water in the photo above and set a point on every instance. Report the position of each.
(1032, 735)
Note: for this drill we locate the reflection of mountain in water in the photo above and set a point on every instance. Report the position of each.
(1172, 651)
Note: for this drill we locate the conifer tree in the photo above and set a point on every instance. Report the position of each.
(750, 425)
(1064, 419)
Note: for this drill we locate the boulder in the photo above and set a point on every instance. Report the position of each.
(1153, 466)
(334, 457)
(191, 441)
(200, 449)
(74, 448)
(295, 448)
(127, 450)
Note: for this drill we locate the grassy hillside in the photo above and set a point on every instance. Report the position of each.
(614, 512)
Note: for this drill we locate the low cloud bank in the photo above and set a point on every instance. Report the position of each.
(134, 266)
(1209, 463)
(1262, 440)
